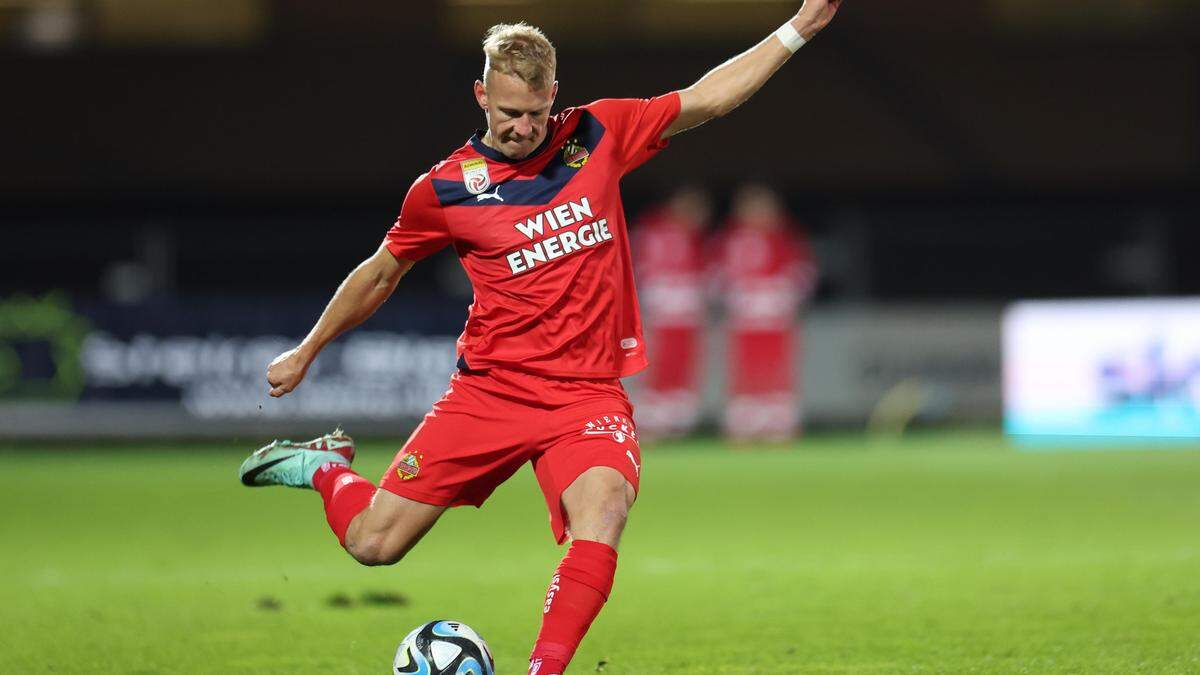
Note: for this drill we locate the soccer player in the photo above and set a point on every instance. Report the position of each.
(533, 208)
(766, 271)
(669, 260)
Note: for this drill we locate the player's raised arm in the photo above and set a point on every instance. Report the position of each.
(363, 291)
(729, 85)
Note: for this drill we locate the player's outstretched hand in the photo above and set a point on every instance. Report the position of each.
(815, 15)
(286, 371)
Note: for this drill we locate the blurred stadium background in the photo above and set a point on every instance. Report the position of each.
(184, 183)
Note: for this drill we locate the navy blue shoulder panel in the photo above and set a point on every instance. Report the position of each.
(539, 190)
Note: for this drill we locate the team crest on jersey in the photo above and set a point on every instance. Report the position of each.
(617, 426)
(574, 154)
(410, 466)
(475, 175)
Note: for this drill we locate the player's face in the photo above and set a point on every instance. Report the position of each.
(516, 114)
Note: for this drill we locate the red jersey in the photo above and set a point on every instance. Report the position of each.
(766, 275)
(670, 267)
(543, 240)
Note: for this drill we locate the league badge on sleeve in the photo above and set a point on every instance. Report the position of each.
(574, 154)
(410, 466)
(475, 175)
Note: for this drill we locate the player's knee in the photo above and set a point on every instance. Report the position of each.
(608, 514)
(616, 498)
(373, 550)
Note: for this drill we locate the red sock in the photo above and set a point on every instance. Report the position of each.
(577, 592)
(346, 495)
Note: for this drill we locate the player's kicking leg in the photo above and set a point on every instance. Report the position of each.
(375, 527)
(597, 504)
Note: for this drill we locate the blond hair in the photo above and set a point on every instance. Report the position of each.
(520, 50)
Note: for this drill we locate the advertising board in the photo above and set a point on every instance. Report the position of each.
(1103, 369)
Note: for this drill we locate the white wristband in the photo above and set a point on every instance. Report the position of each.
(790, 37)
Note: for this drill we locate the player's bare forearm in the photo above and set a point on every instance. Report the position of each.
(730, 84)
(363, 291)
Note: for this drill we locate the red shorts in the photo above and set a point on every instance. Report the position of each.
(491, 422)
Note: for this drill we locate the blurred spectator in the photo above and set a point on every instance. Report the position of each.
(765, 271)
(669, 262)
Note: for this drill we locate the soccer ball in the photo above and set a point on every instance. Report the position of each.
(444, 648)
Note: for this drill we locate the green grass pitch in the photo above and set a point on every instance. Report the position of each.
(939, 553)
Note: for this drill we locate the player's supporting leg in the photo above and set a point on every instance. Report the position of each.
(597, 505)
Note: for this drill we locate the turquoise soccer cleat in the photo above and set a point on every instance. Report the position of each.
(293, 464)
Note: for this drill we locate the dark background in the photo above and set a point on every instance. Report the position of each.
(936, 151)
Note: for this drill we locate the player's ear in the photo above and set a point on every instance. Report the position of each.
(553, 91)
(481, 94)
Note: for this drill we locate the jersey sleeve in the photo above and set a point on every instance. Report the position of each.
(421, 228)
(637, 125)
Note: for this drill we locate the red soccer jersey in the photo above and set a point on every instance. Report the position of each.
(543, 240)
(766, 275)
(670, 267)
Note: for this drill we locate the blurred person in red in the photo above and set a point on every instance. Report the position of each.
(669, 261)
(765, 271)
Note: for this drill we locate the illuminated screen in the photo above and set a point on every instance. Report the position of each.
(1105, 369)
